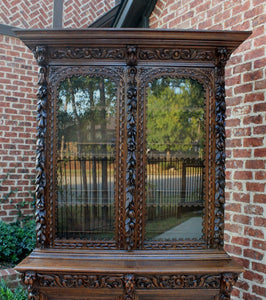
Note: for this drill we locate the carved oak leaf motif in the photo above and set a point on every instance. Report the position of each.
(178, 281)
(176, 54)
(87, 53)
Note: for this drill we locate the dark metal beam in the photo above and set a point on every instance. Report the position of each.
(134, 13)
(58, 14)
(7, 30)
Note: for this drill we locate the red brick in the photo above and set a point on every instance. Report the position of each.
(252, 120)
(233, 101)
(234, 249)
(242, 68)
(255, 164)
(261, 19)
(255, 53)
(243, 88)
(233, 143)
(248, 296)
(253, 254)
(243, 175)
(252, 276)
(244, 153)
(260, 63)
(259, 244)
(259, 107)
(240, 241)
(260, 198)
(234, 228)
(235, 293)
(253, 232)
(260, 85)
(232, 123)
(253, 142)
(241, 197)
(236, 19)
(243, 220)
(252, 76)
(242, 261)
(260, 222)
(258, 267)
(234, 164)
(260, 175)
(253, 209)
(258, 96)
(260, 129)
(260, 152)
(259, 290)
(243, 285)
(204, 7)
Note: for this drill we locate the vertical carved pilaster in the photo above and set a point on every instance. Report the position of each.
(227, 282)
(130, 218)
(222, 57)
(29, 280)
(129, 285)
(40, 215)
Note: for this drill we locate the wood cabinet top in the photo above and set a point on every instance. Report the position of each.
(139, 37)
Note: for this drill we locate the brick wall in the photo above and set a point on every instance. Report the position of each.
(80, 13)
(245, 126)
(18, 78)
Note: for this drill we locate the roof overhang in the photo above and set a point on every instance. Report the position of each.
(127, 14)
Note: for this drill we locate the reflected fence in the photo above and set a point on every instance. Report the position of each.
(173, 183)
(85, 190)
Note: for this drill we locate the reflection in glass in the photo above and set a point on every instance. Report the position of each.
(85, 165)
(175, 145)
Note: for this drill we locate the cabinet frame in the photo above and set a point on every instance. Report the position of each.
(130, 57)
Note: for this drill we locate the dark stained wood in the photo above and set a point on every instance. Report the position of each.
(130, 267)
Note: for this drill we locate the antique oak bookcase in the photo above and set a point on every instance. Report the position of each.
(130, 165)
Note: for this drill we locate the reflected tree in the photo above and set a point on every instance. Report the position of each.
(86, 107)
(175, 115)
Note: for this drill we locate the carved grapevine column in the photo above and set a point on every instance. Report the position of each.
(40, 214)
(130, 218)
(222, 57)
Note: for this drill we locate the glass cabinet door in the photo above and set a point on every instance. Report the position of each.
(175, 145)
(86, 156)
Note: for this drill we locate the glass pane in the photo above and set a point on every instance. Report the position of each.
(85, 166)
(175, 145)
